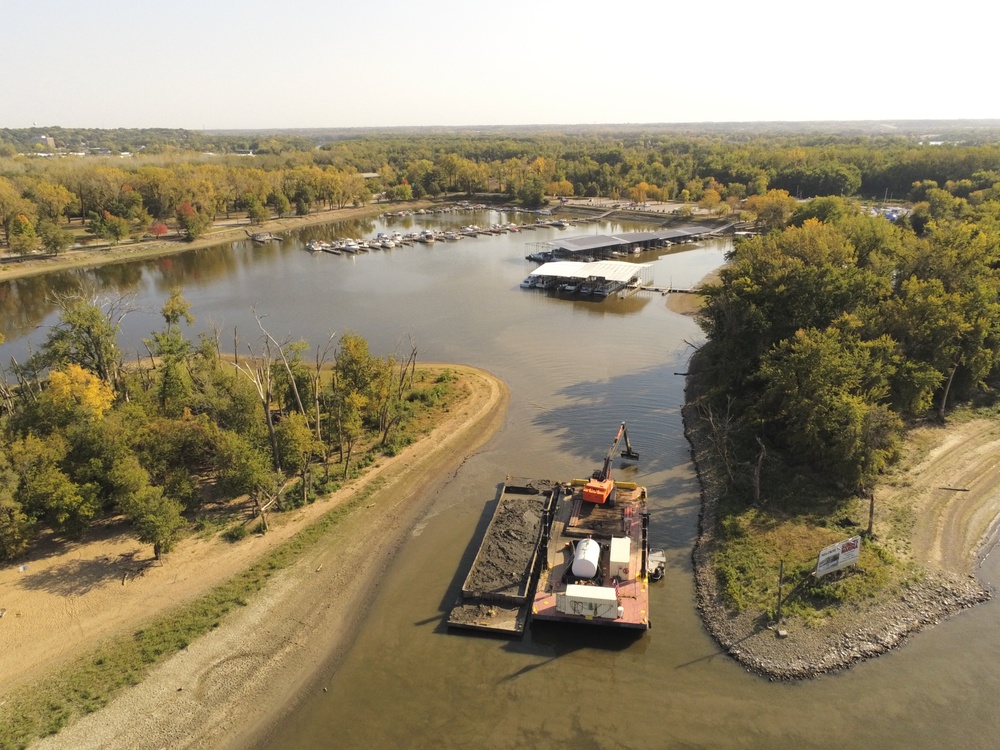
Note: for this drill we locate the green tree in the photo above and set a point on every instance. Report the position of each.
(773, 210)
(17, 528)
(86, 335)
(826, 393)
(172, 349)
(156, 518)
(192, 222)
(54, 239)
(21, 235)
(45, 491)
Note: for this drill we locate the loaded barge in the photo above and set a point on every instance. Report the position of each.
(574, 551)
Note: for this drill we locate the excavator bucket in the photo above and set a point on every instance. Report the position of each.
(630, 454)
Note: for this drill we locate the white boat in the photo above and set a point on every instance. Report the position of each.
(530, 282)
(427, 236)
(351, 246)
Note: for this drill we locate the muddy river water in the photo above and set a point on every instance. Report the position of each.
(576, 369)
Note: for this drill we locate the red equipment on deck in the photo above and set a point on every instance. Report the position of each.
(600, 487)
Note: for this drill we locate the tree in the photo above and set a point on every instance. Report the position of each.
(825, 393)
(22, 237)
(352, 407)
(74, 390)
(45, 491)
(86, 335)
(17, 528)
(158, 229)
(532, 193)
(156, 518)
(192, 222)
(52, 199)
(54, 238)
(257, 212)
(773, 210)
(172, 349)
(297, 445)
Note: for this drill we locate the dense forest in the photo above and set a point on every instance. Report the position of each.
(826, 337)
(184, 179)
(86, 436)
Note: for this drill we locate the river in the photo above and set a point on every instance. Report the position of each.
(576, 369)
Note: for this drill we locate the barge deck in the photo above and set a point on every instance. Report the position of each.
(525, 564)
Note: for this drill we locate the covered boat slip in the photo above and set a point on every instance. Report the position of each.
(624, 243)
(605, 276)
(496, 594)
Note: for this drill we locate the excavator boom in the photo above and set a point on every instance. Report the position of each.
(600, 486)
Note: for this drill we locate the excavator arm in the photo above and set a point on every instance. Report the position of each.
(600, 486)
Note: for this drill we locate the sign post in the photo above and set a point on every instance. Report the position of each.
(838, 556)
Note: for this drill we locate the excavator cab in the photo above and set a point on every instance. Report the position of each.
(600, 488)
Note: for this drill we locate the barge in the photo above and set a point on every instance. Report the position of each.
(574, 551)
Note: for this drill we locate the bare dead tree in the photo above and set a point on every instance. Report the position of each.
(322, 357)
(721, 428)
(408, 366)
(258, 371)
(284, 359)
(756, 471)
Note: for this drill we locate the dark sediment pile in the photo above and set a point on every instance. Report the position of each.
(503, 566)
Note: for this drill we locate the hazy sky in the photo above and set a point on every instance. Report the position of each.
(330, 63)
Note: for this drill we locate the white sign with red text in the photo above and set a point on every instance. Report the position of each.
(838, 556)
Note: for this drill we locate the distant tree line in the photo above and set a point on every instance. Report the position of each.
(185, 179)
(86, 436)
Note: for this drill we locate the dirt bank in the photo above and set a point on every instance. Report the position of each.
(223, 231)
(949, 528)
(228, 687)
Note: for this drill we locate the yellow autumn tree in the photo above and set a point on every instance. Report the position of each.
(74, 388)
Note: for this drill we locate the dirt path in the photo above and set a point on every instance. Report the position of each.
(953, 492)
(229, 685)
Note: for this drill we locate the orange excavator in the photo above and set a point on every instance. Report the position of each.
(600, 487)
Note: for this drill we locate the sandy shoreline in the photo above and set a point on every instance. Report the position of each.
(228, 688)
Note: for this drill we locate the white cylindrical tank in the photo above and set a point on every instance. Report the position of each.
(586, 559)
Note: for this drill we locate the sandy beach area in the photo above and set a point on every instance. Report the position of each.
(227, 688)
